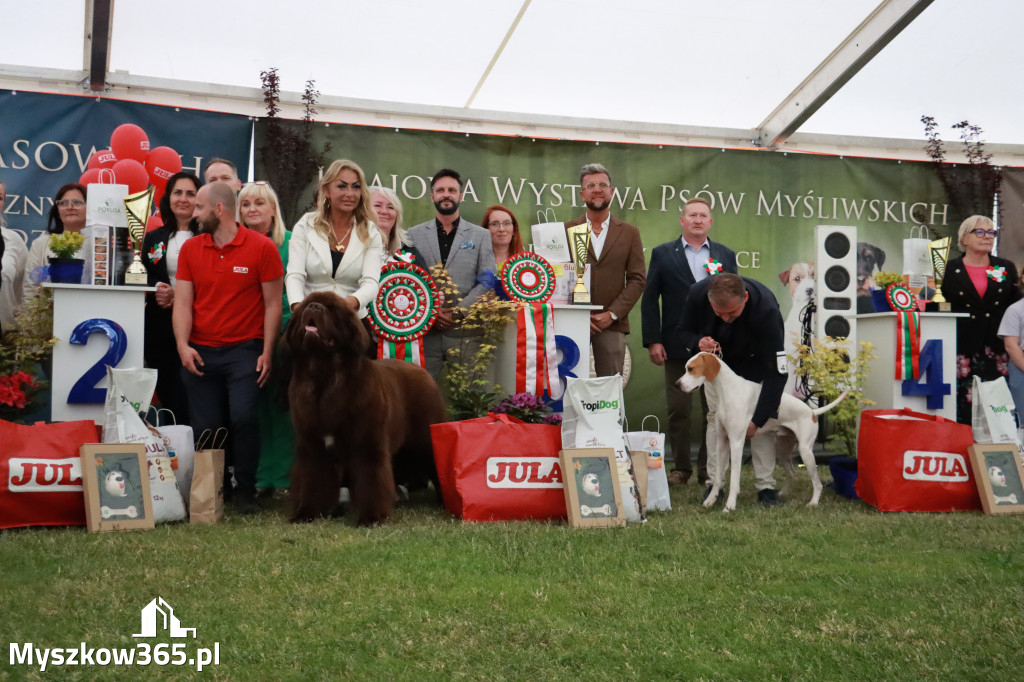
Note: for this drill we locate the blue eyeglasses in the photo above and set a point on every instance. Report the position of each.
(985, 233)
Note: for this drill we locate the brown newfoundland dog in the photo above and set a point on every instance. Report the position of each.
(353, 417)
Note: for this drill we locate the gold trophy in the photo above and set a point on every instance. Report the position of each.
(580, 236)
(136, 209)
(940, 254)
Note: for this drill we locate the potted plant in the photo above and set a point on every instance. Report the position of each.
(829, 371)
(25, 353)
(882, 280)
(64, 267)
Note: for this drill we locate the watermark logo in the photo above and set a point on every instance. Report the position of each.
(159, 612)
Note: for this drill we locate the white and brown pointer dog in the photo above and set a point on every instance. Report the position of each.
(737, 397)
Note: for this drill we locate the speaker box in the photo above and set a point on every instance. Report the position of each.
(835, 283)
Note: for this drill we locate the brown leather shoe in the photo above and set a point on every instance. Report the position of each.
(678, 478)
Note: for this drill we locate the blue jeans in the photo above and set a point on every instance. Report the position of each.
(1016, 382)
(227, 395)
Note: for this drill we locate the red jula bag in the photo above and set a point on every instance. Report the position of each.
(911, 461)
(499, 468)
(41, 473)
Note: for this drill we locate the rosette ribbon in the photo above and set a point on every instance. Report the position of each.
(713, 266)
(405, 309)
(529, 279)
(908, 331)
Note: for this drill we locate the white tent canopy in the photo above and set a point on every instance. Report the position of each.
(851, 77)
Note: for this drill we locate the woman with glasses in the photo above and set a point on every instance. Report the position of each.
(260, 210)
(504, 229)
(160, 249)
(337, 247)
(983, 286)
(67, 213)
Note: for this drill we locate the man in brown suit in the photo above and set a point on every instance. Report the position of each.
(617, 270)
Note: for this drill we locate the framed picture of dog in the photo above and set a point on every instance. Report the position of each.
(115, 479)
(999, 476)
(590, 478)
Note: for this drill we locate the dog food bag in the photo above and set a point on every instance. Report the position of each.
(133, 386)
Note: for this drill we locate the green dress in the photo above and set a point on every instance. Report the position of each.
(276, 435)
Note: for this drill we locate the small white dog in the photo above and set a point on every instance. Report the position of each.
(799, 279)
(737, 399)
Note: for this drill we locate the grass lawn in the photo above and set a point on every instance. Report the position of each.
(837, 592)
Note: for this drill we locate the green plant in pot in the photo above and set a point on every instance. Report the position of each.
(64, 267)
(882, 280)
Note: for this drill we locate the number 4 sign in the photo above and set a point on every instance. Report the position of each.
(930, 383)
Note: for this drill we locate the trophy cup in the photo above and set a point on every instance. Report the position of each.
(940, 254)
(136, 208)
(580, 235)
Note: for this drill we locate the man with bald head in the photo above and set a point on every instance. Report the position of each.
(227, 310)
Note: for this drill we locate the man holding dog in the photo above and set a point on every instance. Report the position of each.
(675, 267)
(617, 271)
(740, 317)
(466, 252)
(227, 314)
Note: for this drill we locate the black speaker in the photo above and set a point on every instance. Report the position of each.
(835, 283)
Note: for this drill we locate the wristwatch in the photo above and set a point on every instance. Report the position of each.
(615, 318)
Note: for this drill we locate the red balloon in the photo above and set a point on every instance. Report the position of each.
(129, 141)
(102, 158)
(102, 176)
(162, 163)
(132, 173)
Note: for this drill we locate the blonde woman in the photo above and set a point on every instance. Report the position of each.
(388, 208)
(260, 210)
(337, 247)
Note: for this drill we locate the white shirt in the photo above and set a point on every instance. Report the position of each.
(597, 240)
(174, 244)
(15, 256)
(697, 258)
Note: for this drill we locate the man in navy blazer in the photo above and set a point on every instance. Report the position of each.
(466, 251)
(675, 267)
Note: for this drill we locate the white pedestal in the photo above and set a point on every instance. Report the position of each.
(571, 322)
(97, 312)
(881, 384)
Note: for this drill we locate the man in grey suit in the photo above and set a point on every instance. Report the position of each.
(466, 251)
(675, 267)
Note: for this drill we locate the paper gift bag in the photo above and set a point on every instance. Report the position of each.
(910, 461)
(657, 480)
(499, 468)
(206, 501)
(918, 272)
(992, 412)
(41, 473)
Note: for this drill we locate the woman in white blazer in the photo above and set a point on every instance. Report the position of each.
(337, 247)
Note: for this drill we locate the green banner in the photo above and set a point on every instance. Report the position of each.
(765, 204)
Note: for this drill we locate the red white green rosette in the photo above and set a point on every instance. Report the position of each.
(528, 277)
(908, 331)
(405, 309)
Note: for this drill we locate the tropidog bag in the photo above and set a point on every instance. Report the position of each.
(910, 461)
(499, 468)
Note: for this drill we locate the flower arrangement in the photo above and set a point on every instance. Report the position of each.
(23, 348)
(884, 278)
(66, 244)
(529, 408)
(470, 390)
(829, 371)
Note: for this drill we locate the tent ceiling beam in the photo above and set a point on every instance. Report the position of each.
(99, 15)
(860, 47)
(497, 53)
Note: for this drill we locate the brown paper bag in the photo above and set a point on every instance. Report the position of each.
(207, 496)
(639, 458)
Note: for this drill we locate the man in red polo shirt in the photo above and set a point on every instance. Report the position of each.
(227, 311)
